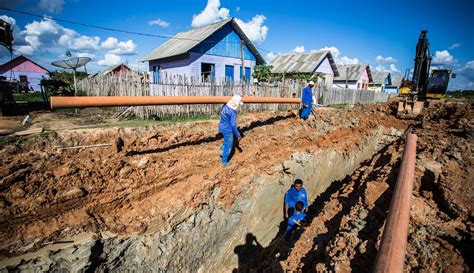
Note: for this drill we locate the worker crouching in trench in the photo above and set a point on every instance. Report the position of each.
(228, 127)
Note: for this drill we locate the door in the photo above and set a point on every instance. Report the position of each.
(24, 83)
(247, 73)
(229, 73)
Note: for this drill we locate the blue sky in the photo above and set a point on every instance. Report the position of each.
(381, 33)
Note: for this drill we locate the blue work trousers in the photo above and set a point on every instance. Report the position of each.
(305, 112)
(227, 146)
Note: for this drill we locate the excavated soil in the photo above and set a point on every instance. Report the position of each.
(346, 222)
(149, 176)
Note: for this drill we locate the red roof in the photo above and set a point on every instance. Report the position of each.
(22, 64)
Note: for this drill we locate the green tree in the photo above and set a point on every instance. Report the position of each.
(262, 72)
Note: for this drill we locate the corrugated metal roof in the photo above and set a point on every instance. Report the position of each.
(183, 42)
(302, 62)
(397, 81)
(111, 68)
(352, 72)
(379, 77)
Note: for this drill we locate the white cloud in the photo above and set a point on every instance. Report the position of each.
(159, 22)
(298, 49)
(455, 45)
(443, 57)
(393, 68)
(271, 56)
(85, 54)
(382, 59)
(212, 13)
(78, 42)
(48, 36)
(334, 50)
(336, 54)
(468, 71)
(24, 50)
(110, 59)
(346, 60)
(119, 48)
(51, 6)
(254, 29)
(110, 43)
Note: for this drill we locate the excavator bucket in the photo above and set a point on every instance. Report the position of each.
(409, 110)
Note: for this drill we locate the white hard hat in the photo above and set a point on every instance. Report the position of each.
(311, 83)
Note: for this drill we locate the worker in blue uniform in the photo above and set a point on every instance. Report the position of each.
(297, 193)
(228, 127)
(306, 101)
(295, 221)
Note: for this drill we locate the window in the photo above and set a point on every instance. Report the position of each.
(24, 79)
(207, 71)
(156, 73)
(358, 86)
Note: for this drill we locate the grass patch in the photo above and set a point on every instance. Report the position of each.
(7, 140)
(338, 105)
(28, 97)
(176, 119)
(467, 94)
(147, 122)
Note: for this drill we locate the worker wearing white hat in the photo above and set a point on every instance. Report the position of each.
(228, 127)
(306, 101)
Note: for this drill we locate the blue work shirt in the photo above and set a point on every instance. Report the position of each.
(307, 97)
(292, 196)
(227, 123)
(300, 218)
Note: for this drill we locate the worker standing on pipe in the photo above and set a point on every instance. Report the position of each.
(228, 127)
(297, 193)
(306, 101)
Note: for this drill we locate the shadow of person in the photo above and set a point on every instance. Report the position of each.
(248, 253)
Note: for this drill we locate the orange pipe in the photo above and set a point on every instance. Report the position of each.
(82, 102)
(391, 255)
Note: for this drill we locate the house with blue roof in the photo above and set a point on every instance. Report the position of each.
(209, 52)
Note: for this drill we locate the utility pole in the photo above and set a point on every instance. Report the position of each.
(242, 53)
(347, 76)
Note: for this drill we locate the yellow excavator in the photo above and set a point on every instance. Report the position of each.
(424, 85)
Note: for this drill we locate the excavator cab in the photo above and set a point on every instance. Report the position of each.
(414, 93)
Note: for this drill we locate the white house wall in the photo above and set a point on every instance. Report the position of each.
(191, 66)
(173, 67)
(326, 69)
(219, 63)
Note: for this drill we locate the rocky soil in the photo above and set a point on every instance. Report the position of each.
(161, 191)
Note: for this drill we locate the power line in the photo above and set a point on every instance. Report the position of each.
(104, 28)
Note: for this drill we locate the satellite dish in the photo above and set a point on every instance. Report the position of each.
(72, 63)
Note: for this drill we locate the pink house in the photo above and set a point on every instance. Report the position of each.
(356, 76)
(25, 71)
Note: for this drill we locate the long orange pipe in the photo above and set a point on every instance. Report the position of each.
(391, 255)
(82, 102)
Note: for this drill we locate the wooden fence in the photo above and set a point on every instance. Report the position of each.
(135, 84)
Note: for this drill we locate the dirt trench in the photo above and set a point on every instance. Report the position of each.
(160, 200)
(346, 221)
